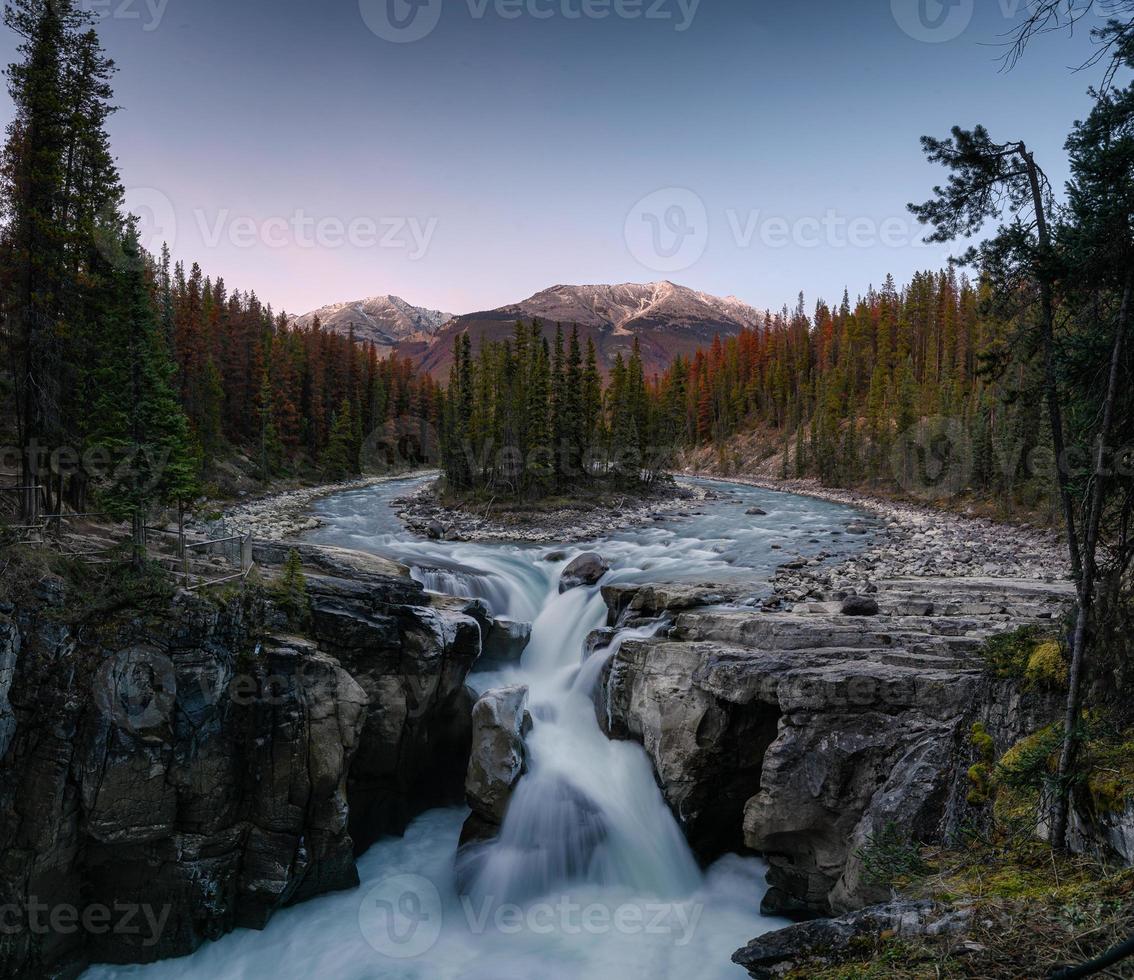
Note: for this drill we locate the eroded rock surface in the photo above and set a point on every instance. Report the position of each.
(201, 760)
(802, 734)
(628, 602)
(498, 759)
(587, 569)
(773, 954)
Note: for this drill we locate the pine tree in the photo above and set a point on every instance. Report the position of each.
(136, 418)
(292, 589)
(339, 460)
(592, 400)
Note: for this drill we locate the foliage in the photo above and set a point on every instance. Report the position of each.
(143, 373)
(980, 773)
(1009, 654)
(889, 857)
(1047, 666)
(291, 590)
(526, 419)
(1109, 764)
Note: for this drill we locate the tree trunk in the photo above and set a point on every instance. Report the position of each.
(1061, 807)
(1047, 324)
(138, 538)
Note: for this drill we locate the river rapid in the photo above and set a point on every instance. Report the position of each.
(590, 876)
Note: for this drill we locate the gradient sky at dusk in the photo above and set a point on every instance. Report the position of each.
(518, 148)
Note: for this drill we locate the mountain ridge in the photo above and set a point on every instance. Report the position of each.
(387, 320)
(667, 319)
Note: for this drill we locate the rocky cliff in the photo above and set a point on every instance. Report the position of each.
(843, 707)
(176, 767)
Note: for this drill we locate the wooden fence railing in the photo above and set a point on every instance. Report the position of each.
(193, 562)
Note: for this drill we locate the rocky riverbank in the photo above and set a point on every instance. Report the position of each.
(284, 515)
(841, 708)
(905, 539)
(552, 522)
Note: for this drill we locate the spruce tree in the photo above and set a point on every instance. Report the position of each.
(136, 418)
(339, 460)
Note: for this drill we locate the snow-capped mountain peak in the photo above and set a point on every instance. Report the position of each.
(386, 320)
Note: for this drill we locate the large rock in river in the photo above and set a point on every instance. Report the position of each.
(497, 760)
(587, 569)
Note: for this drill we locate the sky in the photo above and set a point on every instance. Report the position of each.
(464, 154)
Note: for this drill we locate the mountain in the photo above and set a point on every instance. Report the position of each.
(389, 321)
(667, 320)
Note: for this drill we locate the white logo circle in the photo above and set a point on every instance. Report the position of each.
(400, 917)
(934, 458)
(400, 21)
(933, 21)
(136, 688)
(668, 230)
(156, 224)
(157, 218)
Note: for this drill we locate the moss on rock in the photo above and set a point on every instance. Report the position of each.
(1047, 667)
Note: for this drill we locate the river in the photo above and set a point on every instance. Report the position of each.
(590, 877)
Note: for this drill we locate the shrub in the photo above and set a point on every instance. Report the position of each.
(889, 857)
(980, 774)
(1008, 654)
(1110, 780)
(291, 592)
(1047, 667)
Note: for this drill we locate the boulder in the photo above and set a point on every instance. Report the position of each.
(598, 639)
(504, 644)
(859, 605)
(585, 570)
(756, 512)
(500, 721)
(791, 948)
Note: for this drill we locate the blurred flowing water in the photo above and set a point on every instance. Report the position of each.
(590, 876)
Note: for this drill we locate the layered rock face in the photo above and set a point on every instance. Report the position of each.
(802, 734)
(410, 654)
(192, 767)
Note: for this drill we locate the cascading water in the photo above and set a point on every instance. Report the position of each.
(590, 876)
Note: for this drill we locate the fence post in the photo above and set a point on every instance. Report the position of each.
(246, 552)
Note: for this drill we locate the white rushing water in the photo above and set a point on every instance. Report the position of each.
(591, 876)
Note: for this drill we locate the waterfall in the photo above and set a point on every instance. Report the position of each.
(590, 876)
(588, 811)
